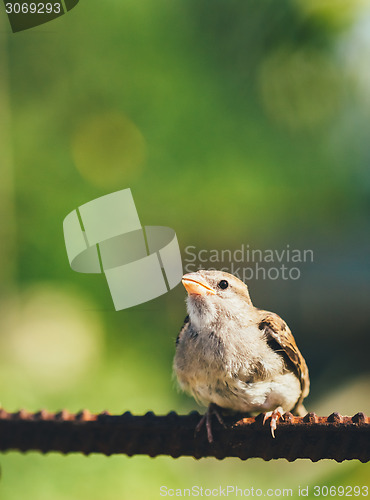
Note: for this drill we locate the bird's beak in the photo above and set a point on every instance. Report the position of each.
(196, 286)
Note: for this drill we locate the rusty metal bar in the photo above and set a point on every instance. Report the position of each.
(335, 437)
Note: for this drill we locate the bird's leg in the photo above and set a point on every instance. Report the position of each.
(275, 416)
(207, 418)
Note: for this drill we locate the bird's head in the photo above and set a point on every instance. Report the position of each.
(213, 295)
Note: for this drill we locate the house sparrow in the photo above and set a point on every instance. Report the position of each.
(231, 355)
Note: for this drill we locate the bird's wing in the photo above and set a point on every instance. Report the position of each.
(184, 327)
(279, 336)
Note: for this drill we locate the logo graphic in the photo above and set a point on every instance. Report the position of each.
(105, 236)
(25, 14)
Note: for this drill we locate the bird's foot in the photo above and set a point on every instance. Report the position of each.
(275, 416)
(206, 419)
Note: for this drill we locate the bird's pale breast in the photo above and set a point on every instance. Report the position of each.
(240, 373)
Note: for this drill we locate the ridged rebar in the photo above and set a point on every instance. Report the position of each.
(335, 437)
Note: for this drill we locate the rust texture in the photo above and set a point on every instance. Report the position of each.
(335, 437)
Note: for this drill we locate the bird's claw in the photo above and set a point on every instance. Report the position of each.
(207, 417)
(275, 415)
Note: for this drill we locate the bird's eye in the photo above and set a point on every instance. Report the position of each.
(223, 284)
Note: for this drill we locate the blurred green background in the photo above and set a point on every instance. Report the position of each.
(233, 123)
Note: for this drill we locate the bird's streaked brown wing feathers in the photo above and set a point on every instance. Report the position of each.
(277, 331)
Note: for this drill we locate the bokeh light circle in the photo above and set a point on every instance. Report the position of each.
(299, 88)
(108, 150)
(51, 335)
